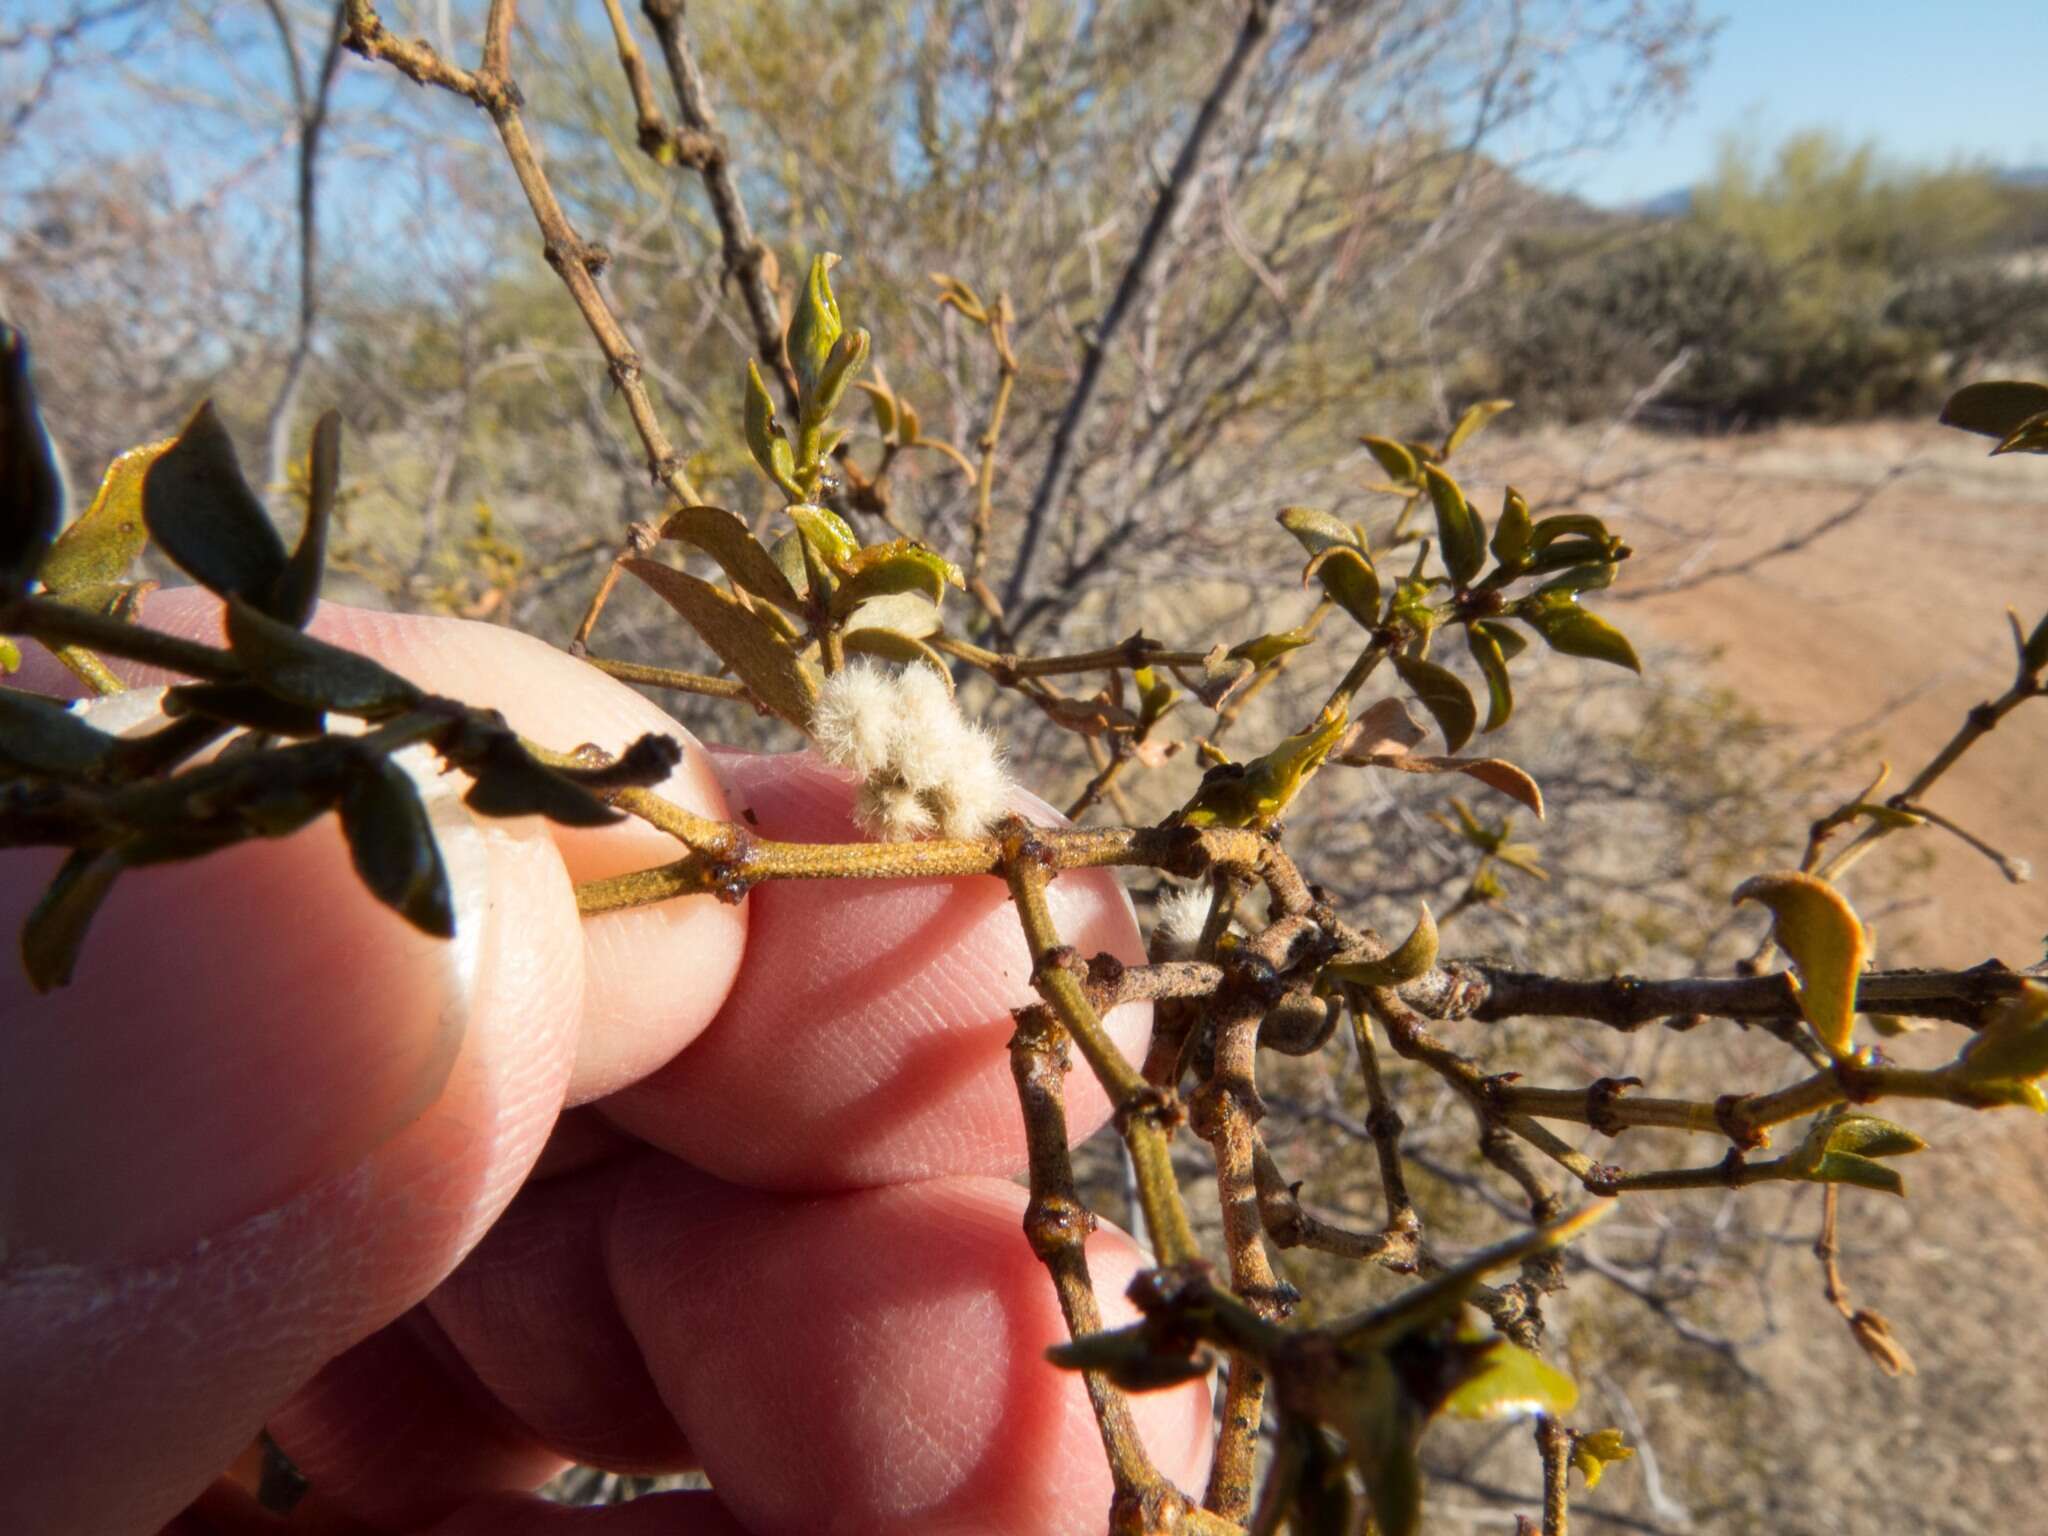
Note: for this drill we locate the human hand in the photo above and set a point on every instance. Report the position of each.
(274, 1158)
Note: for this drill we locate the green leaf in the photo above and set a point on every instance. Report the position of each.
(2030, 436)
(298, 589)
(1869, 1136)
(766, 440)
(1581, 578)
(1395, 459)
(1820, 931)
(97, 549)
(1593, 1453)
(10, 656)
(883, 400)
(813, 331)
(1443, 695)
(1848, 1168)
(1267, 649)
(1318, 531)
(1156, 696)
(1474, 419)
(39, 735)
(1348, 577)
(392, 844)
(1512, 1382)
(2014, 1040)
(1995, 408)
(1513, 533)
(848, 356)
(830, 538)
(510, 781)
(1411, 958)
(1461, 535)
(1573, 631)
(894, 645)
(56, 928)
(2034, 653)
(1548, 530)
(205, 518)
(246, 704)
(1485, 643)
(724, 537)
(903, 613)
(31, 491)
(757, 653)
(1257, 793)
(295, 666)
(888, 569)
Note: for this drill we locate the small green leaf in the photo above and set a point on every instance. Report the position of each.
(10, 657)
(766, 440)
(1255, 794)
(1485, 643)
(1574, 631)
(1813, 924)
(885, 570)
(1267, 649)
(56, 928)
(2014, 1040)
(31, 491)
(1395, 459)
(1156, 696)
(894, 645)
(298, 589)
(1348, 577)
(39, 735)
(848, 356)
(1461, 535)
(1581, 578)
(1470, 423)
(1848, 1168)
(1995, 408)
(833, 541)
(205, 518)
(724, 537)
(762, 659)
(1512, 1383)
(510, 781)
(1548, 530)
(883, 400)
(1443, 695)
(1594, 1452)
(306, 671)
(813, 330)
(1869, 1136)
(392, 844)
(1411, 958)
(1512, 534)
(2030, 436)
(1134, 1358)
(1318, 531)
(246, 704)
(97, 549)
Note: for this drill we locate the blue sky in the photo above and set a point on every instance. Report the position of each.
(1928, 80)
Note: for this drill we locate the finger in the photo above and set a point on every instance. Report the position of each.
(655, 974)
(863, 1041)
(694, 1513)
(874, 1360)
(266, 1118)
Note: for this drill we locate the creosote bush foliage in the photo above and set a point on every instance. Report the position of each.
(855, 645)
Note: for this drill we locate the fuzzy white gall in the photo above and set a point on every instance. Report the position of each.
(924, 769)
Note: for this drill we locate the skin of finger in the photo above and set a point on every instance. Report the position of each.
(398, 1432)
(133, 1341)
(691, 1513)
(531, 1313)
(864, 1040)
(655, 975)
(873, 1360)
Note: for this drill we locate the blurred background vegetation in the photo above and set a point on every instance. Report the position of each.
(202, 198)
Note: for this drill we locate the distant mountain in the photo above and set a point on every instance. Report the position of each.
(1677, 203)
